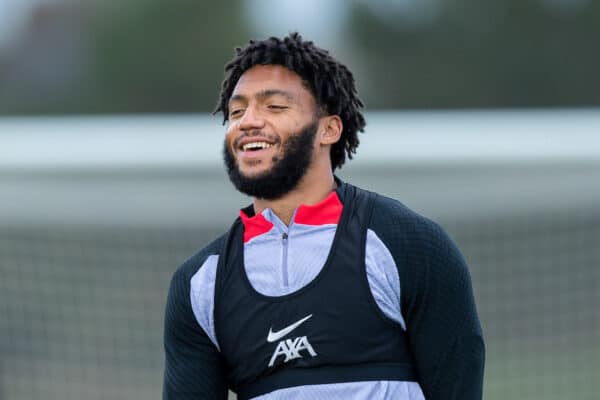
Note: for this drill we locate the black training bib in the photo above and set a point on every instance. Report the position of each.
(330, 331)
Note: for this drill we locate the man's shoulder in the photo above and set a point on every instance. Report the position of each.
(389, 211)
(392, 221)
(196, 261)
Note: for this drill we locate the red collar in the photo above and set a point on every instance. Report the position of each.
(327, 211)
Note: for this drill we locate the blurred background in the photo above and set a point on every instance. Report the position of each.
(483, 116)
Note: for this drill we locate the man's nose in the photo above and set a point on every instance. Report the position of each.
(252, 119)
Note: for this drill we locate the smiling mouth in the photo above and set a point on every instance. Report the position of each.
(254, 146)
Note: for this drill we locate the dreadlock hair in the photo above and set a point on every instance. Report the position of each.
(330, 82)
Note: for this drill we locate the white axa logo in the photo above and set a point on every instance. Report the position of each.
(291, 349)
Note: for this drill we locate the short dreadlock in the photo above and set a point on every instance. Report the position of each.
(330, 82)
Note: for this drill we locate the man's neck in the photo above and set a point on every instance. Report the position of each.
(310, 190)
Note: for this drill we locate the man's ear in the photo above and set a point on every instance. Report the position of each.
(330, 130)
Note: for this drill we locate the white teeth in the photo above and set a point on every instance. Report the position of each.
(256, 145)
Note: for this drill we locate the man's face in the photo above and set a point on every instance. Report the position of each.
(271, 132)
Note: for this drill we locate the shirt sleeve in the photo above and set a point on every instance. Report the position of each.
(441, 319)
(438, 305)
(194, 368)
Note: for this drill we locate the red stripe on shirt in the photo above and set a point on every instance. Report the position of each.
(327, 211)
(254, 226)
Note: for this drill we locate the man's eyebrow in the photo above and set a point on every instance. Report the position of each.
(264, 94)
(276, 92)
(237, 97)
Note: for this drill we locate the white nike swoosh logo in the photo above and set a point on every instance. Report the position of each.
(275, 336)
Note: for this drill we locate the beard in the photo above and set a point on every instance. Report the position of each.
(286, 172)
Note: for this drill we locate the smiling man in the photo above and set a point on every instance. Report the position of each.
(319, 290)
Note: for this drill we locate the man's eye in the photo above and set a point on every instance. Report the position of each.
(277, 107)
(236, 112)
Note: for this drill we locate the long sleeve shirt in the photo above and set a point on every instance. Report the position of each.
(415, 273)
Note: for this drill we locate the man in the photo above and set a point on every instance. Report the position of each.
(319, 290)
